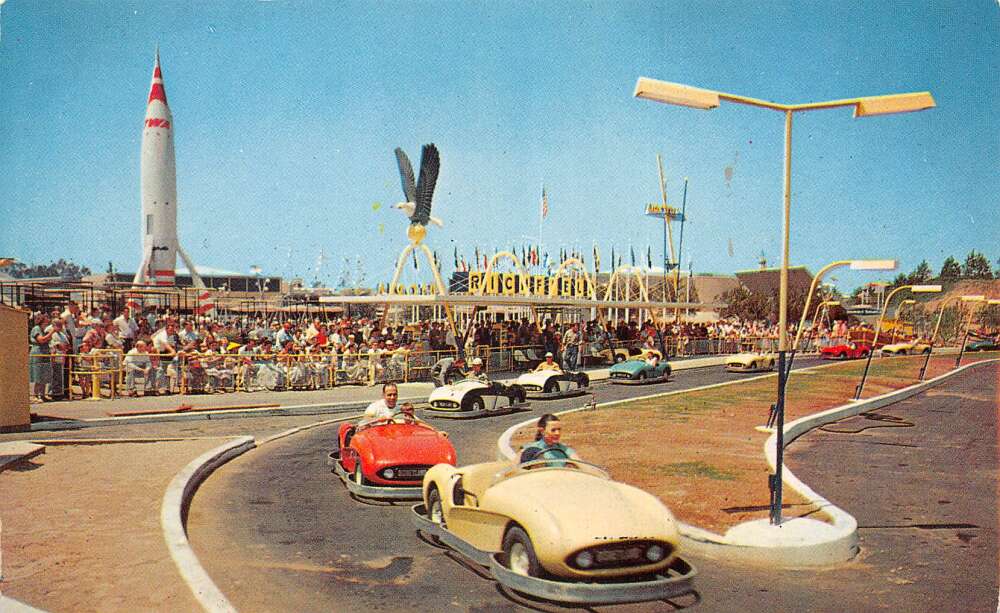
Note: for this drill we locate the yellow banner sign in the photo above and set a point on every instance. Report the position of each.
(514, 284)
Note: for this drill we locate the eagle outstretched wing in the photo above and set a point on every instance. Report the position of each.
(430, 163)
(406, 175)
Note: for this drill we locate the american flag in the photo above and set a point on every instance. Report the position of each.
(545, 204)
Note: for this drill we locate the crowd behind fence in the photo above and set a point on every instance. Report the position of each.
(111, 373)
(94, 354)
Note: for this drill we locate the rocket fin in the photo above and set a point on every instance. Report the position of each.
(196, 281)
(206, 306)
(142, 275)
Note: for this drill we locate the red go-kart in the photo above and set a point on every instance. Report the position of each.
(850, 351)
(387, 458)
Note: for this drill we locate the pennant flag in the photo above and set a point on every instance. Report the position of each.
(613, 258)
(632, 250)
(477, 257)
(414, 252)
(649, 256)
(545, 204)
(456, 258)
(597, 259)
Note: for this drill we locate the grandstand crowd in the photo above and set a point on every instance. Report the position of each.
(73, 351)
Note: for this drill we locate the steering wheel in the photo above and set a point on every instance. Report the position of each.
(537, 458)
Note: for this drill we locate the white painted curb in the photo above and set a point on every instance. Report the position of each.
(173, 512)
(828, 546)
(173, 515)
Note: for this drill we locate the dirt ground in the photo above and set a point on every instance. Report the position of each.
(70, 546)
(699, 452)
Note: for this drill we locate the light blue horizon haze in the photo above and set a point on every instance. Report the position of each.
(286, 115)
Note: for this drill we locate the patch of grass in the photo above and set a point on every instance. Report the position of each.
(696, 469)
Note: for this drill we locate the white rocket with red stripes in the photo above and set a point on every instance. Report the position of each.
(159, 189)
(158, 171)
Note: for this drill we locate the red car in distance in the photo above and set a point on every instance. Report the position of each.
(850, 351)
(387, 459)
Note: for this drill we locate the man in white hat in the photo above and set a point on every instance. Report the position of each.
(477, 371)
(548, 364)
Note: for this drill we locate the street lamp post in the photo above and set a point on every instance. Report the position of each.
(684, 95)
(917, 289)
(968, 324)
(965, 298)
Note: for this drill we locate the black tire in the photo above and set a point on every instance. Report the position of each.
(517, 545)
(641, 376)
(841, 356)
(551, 386)
(434, 500)
(476, 404)
(666, 371)
(518, 393)
(753, 365)
(619, 358)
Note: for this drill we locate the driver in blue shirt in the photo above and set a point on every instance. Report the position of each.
(547, 445)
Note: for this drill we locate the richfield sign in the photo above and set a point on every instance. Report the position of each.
(514, 284)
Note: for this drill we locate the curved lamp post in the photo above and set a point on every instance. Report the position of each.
(937, 326)
(917, 289)
(685, 95)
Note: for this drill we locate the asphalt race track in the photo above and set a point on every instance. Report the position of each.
(278, 532)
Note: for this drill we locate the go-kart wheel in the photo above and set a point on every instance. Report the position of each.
(519, 394)
(841, 355)
(358, 476)
(641, 376)
(477, 404)
(619, 358)
(519, 554)
(435, 512)
(551, 386)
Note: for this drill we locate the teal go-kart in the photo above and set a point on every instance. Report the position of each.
(638, 371)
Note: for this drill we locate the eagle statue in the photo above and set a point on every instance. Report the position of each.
(418, 197)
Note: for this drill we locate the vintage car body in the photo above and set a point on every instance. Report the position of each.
(618, 355)
(750, 362)
(983, 345)
(534, 520)
(473, 397)
(552, 384)
(906, 348)
(852, 351)
(639, 371)
(388, 460)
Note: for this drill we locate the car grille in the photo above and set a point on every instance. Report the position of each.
(620, 375)
(412, 472)
(444, 404)
(531, 388)
(620, 555)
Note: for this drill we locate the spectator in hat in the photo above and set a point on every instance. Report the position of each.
(548, 364)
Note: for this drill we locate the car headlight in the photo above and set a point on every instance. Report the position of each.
(584, 559)
(654, 553)
(389, 473)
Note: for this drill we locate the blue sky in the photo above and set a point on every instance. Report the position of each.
(286, 115)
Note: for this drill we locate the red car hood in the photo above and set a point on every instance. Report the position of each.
(404, 444)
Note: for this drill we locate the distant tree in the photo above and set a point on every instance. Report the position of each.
(977, 266)
(950, 270)
(742, 303)
(62, 268)
(901, 279)
(921, 274)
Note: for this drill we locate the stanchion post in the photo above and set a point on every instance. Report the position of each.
(779, 429)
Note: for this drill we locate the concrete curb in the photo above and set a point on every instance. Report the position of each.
(173, 512)
(841, 543)
(173, 517)
(9, 605)
(793, 543)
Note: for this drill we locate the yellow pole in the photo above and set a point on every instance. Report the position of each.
(812, 288)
